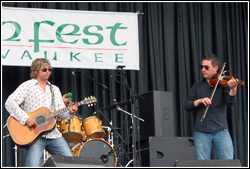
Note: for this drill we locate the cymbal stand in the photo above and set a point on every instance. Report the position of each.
(116, 133)
(133, 117)
(134, 98)
(15, 148)
(110, 134)
(118, 108)
(68, 138)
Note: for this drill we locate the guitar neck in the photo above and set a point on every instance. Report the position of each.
(86, 101)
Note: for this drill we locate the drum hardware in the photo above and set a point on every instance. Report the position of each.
(93, 127)
(96, 148)
(110, 135)
(15, 148)
(119, 150)
(71, 129)
(134, 106)
(129, 162)
(118, 108)
(105, 158)
(133, 118)
(68, 138)
(113, 106)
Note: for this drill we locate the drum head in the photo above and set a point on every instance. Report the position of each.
(101, 149)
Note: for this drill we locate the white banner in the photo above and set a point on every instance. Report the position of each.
(70, 39)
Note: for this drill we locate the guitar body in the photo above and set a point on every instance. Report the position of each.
(26, 136)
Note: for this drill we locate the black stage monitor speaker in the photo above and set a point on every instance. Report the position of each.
(156, 108)
(208, 163)
(62, 161)
(165, 151)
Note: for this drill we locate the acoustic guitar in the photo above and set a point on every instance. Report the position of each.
(26, 136)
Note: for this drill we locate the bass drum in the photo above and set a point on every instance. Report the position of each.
(96, 148)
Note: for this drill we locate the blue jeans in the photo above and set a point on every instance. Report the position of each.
(34, 154)
(221, 140)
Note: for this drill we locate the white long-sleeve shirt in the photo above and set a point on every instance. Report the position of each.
(29, 96)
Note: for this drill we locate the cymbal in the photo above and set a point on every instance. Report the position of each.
(113, 106)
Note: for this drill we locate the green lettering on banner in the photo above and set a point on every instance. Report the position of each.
(73, 33)
(28, 54)
(117, 58)
(98, 57)
(113, 32)
(36, 39)
(16, 33)
(74, 56)
(99, 36)
(46, 55)
(4, 56)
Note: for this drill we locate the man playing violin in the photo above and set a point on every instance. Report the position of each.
(213, 129)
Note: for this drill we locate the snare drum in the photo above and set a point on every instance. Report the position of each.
(75, 129)
(96, 148)
(93, 127)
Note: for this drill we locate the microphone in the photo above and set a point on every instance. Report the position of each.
(76, 71)
(120, 67)
(69, 95)
(104, 158)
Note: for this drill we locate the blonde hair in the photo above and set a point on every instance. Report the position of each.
(36, 65)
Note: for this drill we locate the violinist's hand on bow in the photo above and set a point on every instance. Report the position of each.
(206, 101)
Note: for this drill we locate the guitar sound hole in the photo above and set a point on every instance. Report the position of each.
(40, 120)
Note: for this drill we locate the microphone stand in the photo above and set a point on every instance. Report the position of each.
(133, 98)
(92, 79)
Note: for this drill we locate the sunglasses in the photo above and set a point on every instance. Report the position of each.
(206, 67)
(45, 69)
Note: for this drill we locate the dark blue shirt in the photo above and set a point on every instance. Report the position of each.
(216, 117)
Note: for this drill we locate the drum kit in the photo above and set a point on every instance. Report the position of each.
(86, 139)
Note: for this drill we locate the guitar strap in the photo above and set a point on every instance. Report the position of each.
(52, 99)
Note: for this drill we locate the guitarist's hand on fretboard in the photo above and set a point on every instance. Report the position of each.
(73, 109)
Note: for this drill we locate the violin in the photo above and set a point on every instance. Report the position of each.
(224, 80)
(221, 79)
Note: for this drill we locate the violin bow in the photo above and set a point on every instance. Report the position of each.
(212, 95)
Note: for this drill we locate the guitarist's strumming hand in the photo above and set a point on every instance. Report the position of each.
(30, 122)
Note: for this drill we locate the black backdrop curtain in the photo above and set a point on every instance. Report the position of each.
(173, 38)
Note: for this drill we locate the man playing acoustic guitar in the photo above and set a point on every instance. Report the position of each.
(41, 97)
